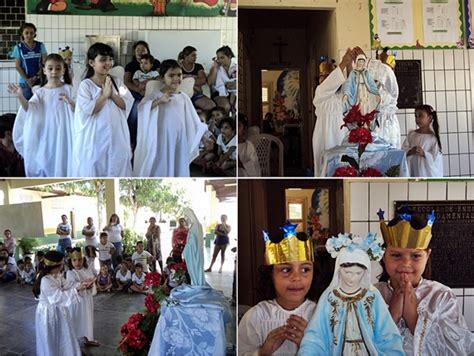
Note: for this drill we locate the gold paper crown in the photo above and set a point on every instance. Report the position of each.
(387, 58)
(65, 53)
(325, 67)
(403, 235)
(51, 263)
(290, 249)
(76, 254)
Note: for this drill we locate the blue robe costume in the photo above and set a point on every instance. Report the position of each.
(326, 330)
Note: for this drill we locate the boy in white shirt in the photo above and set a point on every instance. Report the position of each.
(106, 250)
(141, 256)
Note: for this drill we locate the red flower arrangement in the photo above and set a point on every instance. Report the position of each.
(153, 279)
(360, 133)
(152, 303)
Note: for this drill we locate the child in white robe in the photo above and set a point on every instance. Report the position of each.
(55, 333)
(426, 312)
(82, 313)
(42, 133)
(423, 145)
(102, 139)
(248, 160)
(275, 326)
(169, 129)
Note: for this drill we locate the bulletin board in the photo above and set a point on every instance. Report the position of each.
(24, 220)
(167, 44)
(408, 24)
(452, 241)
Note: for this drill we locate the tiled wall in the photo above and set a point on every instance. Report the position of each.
(59, 31)
(372, 196)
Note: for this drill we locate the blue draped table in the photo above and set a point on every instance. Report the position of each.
(192, 322)
(378, 156)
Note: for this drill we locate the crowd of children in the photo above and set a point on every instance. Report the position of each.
(166, 136)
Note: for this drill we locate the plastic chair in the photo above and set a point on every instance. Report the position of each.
(186, 86)
(118, 72)
(263, 146)
(253, 130)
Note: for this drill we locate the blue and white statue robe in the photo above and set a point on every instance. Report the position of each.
(357, 88)
(357, 324)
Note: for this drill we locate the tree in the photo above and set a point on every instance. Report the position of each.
(151, 193)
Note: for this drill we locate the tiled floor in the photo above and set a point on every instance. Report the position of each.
(111, 310)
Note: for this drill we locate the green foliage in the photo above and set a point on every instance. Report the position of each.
(129, 241)
(80, 244)
(89, 188)
(27, 245)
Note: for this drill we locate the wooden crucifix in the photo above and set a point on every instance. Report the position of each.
(280, 44)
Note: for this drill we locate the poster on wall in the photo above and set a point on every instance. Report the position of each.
(195, 8)
(407, 24)
(469, 23)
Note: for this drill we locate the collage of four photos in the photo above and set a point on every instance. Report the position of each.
(223, 177)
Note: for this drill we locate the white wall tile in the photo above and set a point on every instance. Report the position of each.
(456, 190)
(448, 59)
(450, 101)
(461, 104)
(417, 190)
(438, 60)
(440, 83)
(449, 76)
(469, 311)
(360, 228)
(428, 59)
(454, 169)
(463, 143)
(378, 193)
(429, 79)
(436, 190)
(453, 143)
(470, 190)
(443, 122)
(440, 101)
(359, 194)
(459, 79)
(465, 167)
(459, 59)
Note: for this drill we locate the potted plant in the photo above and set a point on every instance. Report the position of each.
(27, 246)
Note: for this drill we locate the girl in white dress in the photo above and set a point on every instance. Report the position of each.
(43, 128)
(169, 129)
(82, 313)
(426, 312)
(55, 334)
(423, 145)
(276, 325)
(102, 139)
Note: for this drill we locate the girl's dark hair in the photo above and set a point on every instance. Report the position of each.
(186, 52)
(352, 264)
(5, 231)
(229, 121)
(432, 112)
(95, 50)
(84, 260)
(243, 120)
(27, 25)
(168, 64)
(90, 251)
(54, 57)
(140, 43)
(149, 58)
(217, 108)
(54, 256)
(226, 51)
(266, 288)
(114, 215)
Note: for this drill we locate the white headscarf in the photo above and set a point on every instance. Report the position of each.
(356, 256)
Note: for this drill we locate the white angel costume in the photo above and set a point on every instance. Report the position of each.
(82, 313)
(265, 317)
(431, 165)
(441, 328)
(327, 132)
(248, 158)
(102, 140)
(43, 134)
(389, 127)
(168, 137)
(55, 334)
(358, 323)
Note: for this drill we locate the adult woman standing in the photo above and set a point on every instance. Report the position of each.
(187, 60)
(138, 91)
(220, 242)
(153, 235)
(179, 238)
(9, 242)
(223, 79)
(64, 232)
(115, 231)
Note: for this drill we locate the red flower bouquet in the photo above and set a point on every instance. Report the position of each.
(153, 279)
(360, 133)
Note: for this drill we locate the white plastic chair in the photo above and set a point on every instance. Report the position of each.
(117, 72)
(253, 130)
(263, 147)
(186, 86)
